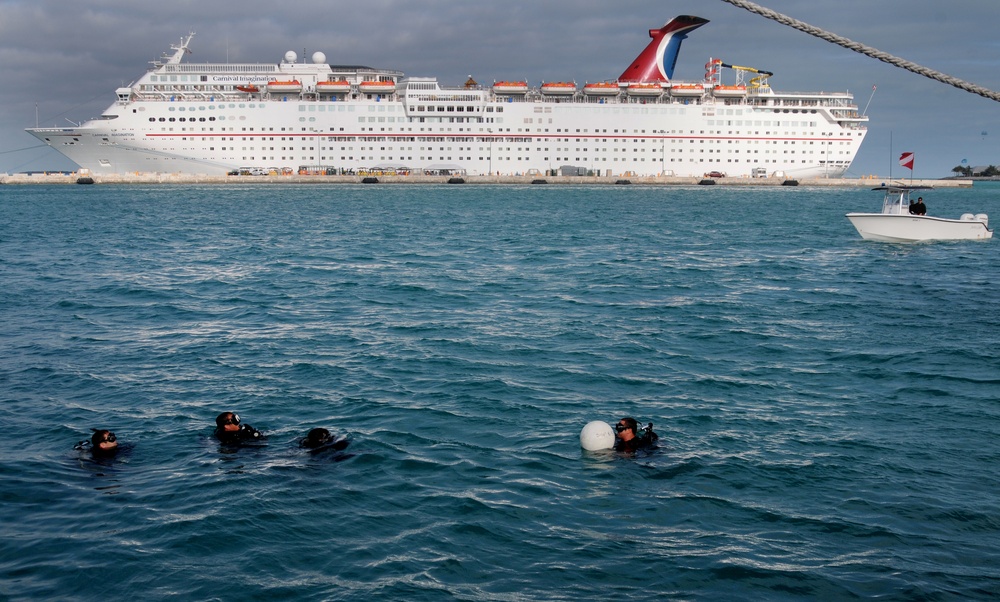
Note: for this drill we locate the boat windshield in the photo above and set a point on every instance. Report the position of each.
(894, 202)
(897, 198)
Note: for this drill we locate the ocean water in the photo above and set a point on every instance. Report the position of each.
(828, 407)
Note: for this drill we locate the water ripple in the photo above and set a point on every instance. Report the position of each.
(827, 406)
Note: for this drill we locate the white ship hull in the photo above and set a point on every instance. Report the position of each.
(192, 119)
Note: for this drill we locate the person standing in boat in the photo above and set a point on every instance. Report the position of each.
(919, 208)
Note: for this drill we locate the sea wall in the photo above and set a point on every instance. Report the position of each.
(175, 178)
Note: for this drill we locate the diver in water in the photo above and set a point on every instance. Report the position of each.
(320, 439)
(102, 444)
(228, 430)
(630, 437)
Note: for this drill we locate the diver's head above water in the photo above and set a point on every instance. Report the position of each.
(103, 442)
(228, 421)
(626, 428)
(317, 437)
(230, 430)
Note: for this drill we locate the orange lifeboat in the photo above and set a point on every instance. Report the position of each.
(377, 87)
(284, 87)
(730, 91)
(559, 88)
(687, 89)
(645, 89)
(510, 87)
(250, 88)
(601, 89)
(340, 86)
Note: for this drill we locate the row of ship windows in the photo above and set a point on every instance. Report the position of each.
(558, 130)
(501, 150)
(522, 159)
(499, 131)
(615, 141)
(342, 108)
(490, 109)
(526, 120)
(173, 119)
(782, 108)
(499, 135)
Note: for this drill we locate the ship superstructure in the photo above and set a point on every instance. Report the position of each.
(314, 117)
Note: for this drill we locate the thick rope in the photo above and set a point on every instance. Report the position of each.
(885, 57)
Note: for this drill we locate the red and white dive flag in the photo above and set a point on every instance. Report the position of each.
(906, 160)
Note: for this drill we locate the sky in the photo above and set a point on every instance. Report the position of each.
(63, 61)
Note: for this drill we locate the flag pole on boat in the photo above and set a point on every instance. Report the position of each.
(890, 156)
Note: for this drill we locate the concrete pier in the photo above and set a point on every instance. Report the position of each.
(175, 178)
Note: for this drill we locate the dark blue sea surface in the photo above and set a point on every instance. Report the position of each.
(828, 407)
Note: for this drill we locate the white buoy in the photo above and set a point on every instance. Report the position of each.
(597, 435)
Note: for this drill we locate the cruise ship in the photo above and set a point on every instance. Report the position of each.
(312, 117)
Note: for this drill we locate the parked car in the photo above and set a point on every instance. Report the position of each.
(715, 174)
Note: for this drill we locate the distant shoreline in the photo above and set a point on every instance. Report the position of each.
(162, 178)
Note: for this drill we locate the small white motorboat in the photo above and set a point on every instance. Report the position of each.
(896, 224)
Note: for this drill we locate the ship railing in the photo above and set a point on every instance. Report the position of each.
(845, 113)
(822, 97)
(602, 100)
(179, 95)
(580, 98)
(508, 98)
(643, 100)
(155, 95)
(219, 68)
(341, 72)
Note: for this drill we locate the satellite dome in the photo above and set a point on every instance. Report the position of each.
(291, 57)
(319, 58)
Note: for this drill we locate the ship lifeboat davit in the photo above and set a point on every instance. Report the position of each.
(284, 87)
(645, 89)
(601, 89)
(730, 91)
(250, 88)
(340, 86)
(377, 87)
(559, 88)
(687, 90)
(510, 87)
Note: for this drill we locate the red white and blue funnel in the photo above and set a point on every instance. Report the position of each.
(656, 63)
